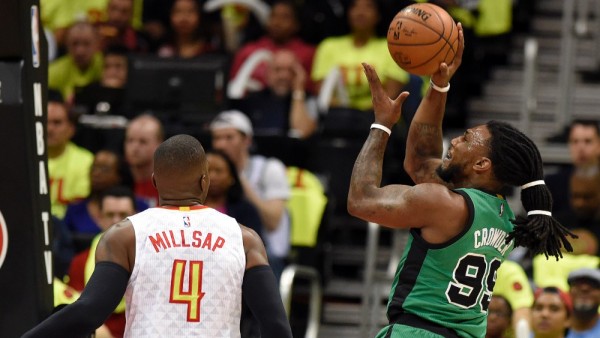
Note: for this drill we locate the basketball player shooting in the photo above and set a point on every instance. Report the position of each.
(183, 267)
(461, 228)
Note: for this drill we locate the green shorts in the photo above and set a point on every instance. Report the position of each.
(402, 331)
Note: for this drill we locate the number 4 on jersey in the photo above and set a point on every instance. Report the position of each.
(474, 281)
(193, 296)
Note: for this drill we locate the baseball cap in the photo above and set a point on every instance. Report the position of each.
(232, 119)
(592, 275)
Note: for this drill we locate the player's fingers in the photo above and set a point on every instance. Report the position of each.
(399, 101)
(461, 45)
(402, 97)
(372, 76)
(444, 69)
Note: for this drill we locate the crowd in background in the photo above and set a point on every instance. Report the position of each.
(102, 173)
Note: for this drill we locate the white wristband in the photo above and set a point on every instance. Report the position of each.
(382, 127)
(438, 88)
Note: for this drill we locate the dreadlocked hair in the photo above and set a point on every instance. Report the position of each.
(517, 161)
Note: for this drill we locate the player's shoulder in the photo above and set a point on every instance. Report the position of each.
(437, 193)
(120, 231)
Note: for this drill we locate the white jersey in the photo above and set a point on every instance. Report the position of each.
(187, 276)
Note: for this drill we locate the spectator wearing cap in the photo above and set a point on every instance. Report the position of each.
(264, 181)
(551, 313)
(585, 291)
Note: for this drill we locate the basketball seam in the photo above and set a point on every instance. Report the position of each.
(440, 37)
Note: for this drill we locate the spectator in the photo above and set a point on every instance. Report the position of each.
(225, 193)
(584, 149)
(281, 34)
(551, 313)
(106, 96)
(117, 29)
(155, 22)
(499, 318)
(583, 211)
(58, 15)
(283, 108)
(68, 164)
(264, 181)
(116, 204)
(83, 63)
(585, 292)
(143, 135)
(190, 36)
(361, 45)
(83, 218)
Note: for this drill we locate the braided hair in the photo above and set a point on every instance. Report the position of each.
(517, 161)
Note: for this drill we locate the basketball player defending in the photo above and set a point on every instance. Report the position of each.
(183, 267)
(460, 227)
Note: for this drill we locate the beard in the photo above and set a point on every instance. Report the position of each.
(585, 312)
(449, 174)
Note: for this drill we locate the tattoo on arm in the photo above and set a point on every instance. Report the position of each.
(368, 165)
(428, 140)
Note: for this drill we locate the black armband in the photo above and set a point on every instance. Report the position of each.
(101, 295)
(262, 297)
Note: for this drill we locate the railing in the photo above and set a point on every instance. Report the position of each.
(286, 283)
(529, 101)
(575, 24)
(332, 83)
(567, 65)
(243, 80)
(375, 280)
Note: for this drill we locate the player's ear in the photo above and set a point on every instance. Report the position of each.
(204, 182)
(153, 181)
(482, 164)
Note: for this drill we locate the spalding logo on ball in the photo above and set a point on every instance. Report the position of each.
(420, 37)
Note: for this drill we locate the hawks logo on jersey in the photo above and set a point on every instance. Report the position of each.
(3, 239)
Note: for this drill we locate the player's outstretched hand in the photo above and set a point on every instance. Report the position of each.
(387, 110)
(446, 71)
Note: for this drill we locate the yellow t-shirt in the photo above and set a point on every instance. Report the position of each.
(57, 14)
(512, 283)
(495, 17)
(63, 294)
(341, 51)
(549, 272)
(64, 76)
(69, 178)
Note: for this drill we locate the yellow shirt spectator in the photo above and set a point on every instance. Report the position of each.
(341, 51)
(69, 177)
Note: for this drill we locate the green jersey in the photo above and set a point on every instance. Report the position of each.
(449, 285)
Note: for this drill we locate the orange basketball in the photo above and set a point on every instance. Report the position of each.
(420, 37)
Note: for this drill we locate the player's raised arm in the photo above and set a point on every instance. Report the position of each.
(424, 143)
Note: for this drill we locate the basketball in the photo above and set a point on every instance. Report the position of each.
(420, 37)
